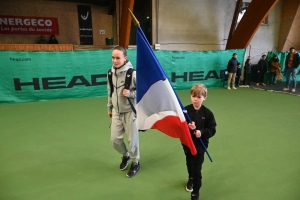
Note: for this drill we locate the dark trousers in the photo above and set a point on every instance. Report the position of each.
(247, 77)
(272, 77)
(260, 77)
(268, 78)
(237, 81)
(194, 167)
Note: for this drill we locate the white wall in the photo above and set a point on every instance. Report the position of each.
(266, 37)
(202, 25)
(192, 24)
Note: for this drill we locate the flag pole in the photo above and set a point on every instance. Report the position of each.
(137, 24)
(135, 21)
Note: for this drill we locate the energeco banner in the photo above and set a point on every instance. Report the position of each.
(38, 76)
(26, 25)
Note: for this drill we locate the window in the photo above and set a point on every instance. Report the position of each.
(243, 9)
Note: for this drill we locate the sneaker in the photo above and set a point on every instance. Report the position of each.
(285, 89)
(234, 88)
(124, 163)
(228, 88)
(189, 185)
(196, 197)
(134, 169)
(293, 90)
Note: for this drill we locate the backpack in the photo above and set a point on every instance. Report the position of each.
(127, 80)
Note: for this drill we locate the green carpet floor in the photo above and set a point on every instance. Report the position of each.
(60, 150)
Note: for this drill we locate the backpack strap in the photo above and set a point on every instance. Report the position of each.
(128, 78)
(109, 75)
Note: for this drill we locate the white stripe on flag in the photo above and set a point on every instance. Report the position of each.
(158, 102)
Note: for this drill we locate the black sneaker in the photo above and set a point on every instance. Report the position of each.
(134, 169)
(196, 197)
(189, 185)
(124, 163)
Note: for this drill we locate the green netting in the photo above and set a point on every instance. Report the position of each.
(37, 76)
(281, 57)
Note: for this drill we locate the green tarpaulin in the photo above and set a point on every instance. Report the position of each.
(37, 76)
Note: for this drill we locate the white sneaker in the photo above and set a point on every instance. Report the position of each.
(293, 90)
(285, 89)
(234, 88)
(228, 88)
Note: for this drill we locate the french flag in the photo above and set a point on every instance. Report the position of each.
(157, 104)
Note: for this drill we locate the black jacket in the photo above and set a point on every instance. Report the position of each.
(248, 68)
(205, 122)
(295, 60)
(262, 65)
(238, 71)
(232, 65)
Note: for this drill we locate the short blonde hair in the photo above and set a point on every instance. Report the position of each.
(198, 90)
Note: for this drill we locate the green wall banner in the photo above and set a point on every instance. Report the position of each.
(185, 69)
(38, 76)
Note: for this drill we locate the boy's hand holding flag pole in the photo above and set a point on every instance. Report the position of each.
(158, 106)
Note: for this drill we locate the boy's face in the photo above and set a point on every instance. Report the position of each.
(118, 58)
(197, 100)
(292, 50)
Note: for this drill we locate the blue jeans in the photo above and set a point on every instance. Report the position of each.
(288, 72)
(272, 77)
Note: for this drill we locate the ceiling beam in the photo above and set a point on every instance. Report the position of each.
(235, 18)
(124, 31)
(251, 21)
(289, 26)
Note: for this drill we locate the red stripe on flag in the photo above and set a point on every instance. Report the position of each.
(173, 127)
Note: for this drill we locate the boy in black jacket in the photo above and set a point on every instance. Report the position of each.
(203, 125)
(262, 68)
